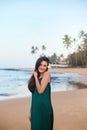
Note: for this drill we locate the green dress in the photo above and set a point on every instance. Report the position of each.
(41, 110)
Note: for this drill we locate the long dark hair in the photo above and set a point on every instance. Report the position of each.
(31, 82)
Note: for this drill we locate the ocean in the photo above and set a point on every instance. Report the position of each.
(13, 82)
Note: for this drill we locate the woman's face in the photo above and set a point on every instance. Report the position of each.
(43, 67)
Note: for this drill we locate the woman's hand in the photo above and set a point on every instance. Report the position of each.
(35, 74)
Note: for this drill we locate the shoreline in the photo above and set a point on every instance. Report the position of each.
(81, 71)
(79, 83)
(68, 70)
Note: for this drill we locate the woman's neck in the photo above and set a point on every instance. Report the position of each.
(41, 75)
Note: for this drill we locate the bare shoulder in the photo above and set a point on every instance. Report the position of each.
(46, 77)
(47, 74)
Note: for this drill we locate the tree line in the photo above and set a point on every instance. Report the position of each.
(75, 59)
(79, 56)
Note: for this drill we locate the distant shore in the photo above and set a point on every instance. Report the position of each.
(69, 70)
(60, 69)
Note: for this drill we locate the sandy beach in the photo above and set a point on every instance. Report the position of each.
(69, 70)
(70, 111)
(70, 108)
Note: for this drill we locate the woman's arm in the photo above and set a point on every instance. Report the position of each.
(41, 87)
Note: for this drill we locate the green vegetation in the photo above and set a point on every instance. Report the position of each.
(76, 59)
(79, 56)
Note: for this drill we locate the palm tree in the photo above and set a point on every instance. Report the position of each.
(85, 48)
(81, 34)
(85, 41)
(67, 42)
(34, 49)
(74, 40)
(61, 56)
(43, 49)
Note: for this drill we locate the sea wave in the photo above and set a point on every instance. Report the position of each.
(13, 83)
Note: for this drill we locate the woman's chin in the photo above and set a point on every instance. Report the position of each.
(41, 72)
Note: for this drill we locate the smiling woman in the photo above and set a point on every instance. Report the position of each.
(41, 107)
(38, 66)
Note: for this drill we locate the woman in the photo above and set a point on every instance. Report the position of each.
(41, 107)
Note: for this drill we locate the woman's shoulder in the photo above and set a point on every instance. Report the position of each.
(47, 73)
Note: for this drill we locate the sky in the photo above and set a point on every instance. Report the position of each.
(27, 23)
